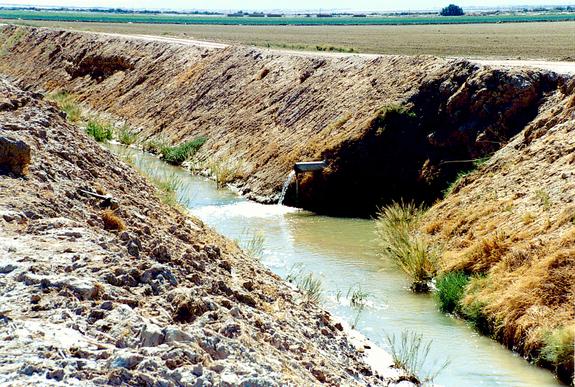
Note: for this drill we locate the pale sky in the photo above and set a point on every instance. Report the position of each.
(315, 5)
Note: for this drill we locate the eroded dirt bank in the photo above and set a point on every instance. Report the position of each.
(159, 300)
(389, 126)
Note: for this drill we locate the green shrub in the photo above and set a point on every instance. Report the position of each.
(558, 349)
(126, 135)
(409, 351)
(253, 243)
(307, 283)
(450, 291)
(395, 227)
(176, 155)
(68, 104)
(100, 130)
(473, 312)
(357, 300)
(172, 190)
(155, 145)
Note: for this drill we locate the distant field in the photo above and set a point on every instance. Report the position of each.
(555, 41)
(292, 20)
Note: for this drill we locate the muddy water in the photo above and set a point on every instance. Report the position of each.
(342, 252)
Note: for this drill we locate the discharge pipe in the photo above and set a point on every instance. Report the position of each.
(309, 166)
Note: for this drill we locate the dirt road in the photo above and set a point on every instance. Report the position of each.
(563, 67)
(555, 66)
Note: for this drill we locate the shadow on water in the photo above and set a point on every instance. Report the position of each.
(343, 253)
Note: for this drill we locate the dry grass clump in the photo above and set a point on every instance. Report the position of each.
(480, 256)
(396, 230)
(225, 170)
(112, 221)
(187, 308)
(409, 351)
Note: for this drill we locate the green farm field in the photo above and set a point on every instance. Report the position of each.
(548, 41)
(109, 17)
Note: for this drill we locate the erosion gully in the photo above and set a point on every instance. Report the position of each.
(342, 252)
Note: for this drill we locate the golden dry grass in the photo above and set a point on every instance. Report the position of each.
(112, 221)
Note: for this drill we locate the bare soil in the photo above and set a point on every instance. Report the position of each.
(519, 41)
(130, 291)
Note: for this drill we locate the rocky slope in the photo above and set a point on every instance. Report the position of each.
(124, 290)
(386, 125)
(510, 226)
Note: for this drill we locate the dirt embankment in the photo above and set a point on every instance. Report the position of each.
(144, 295)
(510, 227)
(269, 110)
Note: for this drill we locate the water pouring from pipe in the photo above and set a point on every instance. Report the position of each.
(304, 166)
(286, 186)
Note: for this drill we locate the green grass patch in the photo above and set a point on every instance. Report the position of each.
(473, 311)
(410, 351)
(396, 228)
(11, 41)
(155, 145)
(67, 102)
(126, 135)
(99, 129)
(176, 155)
(558, 349)
(307, 283)
(450, 291)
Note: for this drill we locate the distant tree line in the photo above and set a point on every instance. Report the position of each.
(452, 10)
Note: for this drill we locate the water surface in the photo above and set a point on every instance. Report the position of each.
(343, 253)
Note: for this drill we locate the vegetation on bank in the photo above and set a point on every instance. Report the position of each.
(464, 284)
(252, 242)
(177, 154)
(103, 130)
(307, 283)
(68, 104)
(224, 169)
(410, 351)
(396, 227)
(7, 44)
(100, 130)
(126, 135)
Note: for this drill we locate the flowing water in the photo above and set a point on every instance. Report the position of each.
(342, 252)
(285, 187)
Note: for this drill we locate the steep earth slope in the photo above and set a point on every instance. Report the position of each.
(386, 125)
(510, 226)
(142, 296)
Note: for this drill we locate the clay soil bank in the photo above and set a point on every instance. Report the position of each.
(389, 126)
